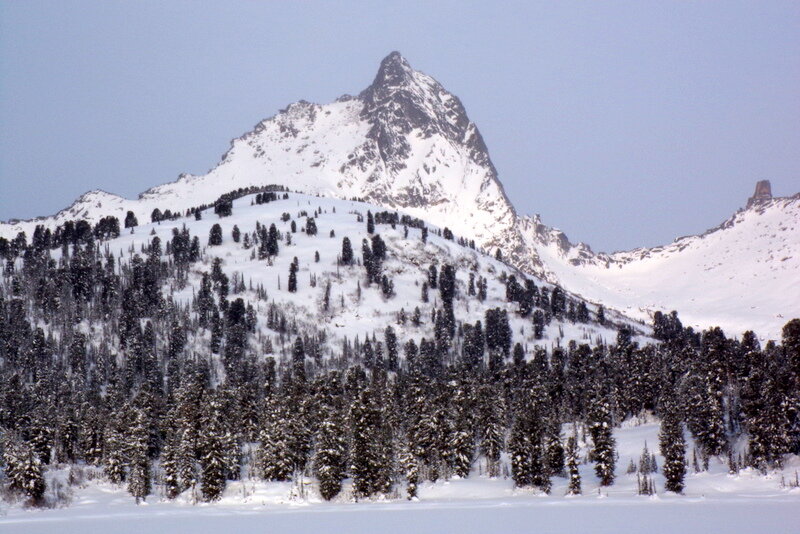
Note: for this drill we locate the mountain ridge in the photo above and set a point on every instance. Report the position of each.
(405, 143)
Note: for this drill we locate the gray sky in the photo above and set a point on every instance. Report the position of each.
(624, 124)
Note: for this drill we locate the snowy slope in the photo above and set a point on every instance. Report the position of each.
(406, 143)
(742, 275)
(407, 263)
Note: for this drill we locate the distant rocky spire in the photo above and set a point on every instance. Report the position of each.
(763, 192)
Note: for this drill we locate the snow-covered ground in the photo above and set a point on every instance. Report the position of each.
(713, 501)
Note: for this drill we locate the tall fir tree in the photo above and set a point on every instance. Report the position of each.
(673, 449)
(330, 458)
(572, 461)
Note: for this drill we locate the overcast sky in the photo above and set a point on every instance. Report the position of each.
(623, 124)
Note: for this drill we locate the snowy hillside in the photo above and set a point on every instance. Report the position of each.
(743, 274)
(352, 311)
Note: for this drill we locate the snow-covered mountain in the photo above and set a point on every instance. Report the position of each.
(406, 143)
(743, 274)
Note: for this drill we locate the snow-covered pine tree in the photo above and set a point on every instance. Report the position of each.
(139, 471)
(462, 446)
(347, 252)
(673, 449)
(292, 286)
(330, 458)
(519, 449)
(213, 461)
(114, 455)
(215, 236)
(274, 459)
(574, 487)
(170, 467)
(493, 430)
(555, 450)
(368, 465)
(23, 469)
(370, 223)
(600, 428)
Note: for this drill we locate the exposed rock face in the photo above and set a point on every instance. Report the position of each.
(763, 192)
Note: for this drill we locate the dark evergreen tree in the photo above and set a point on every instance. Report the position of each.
(370, 223)
(130, 220)
(369, 465)
(311, 226)
(274, 458)
(673, 449)
(139, 474)
(271, 242)
(215, 236)
(330, 459)
(170, 467)
(574, 487)
(292, 285)
(390, 337)
(603, 452)
(347, 252)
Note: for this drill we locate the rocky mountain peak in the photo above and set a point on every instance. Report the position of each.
(402, 100)
(393, 71)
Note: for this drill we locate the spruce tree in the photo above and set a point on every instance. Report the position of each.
(213, 450)
(330, 462)
(519, 449)
(114, 454)
(368, 466)
(370, 223)
(347, 252)
(673, 449)
(292, 286)
(169, 464)
(271, 243)
(215, 236)
(492, 439)
(603, 453)
(130, 220)
(139, 474)
(274, 459)
(573, 473)
(32, 478)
